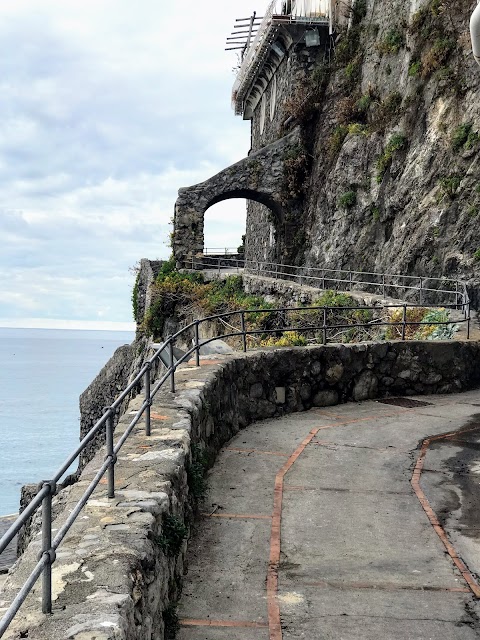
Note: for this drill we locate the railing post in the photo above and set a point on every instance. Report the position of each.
(383, 285)
(244, 335)
(172, 365)
(404, 322)
(197, 343)
(324, 325)
(323, 278)
(456, 293)
(468, 321)
(148, 399)
(47, 550)
(351, 280)
(110, 454)
(421, 291)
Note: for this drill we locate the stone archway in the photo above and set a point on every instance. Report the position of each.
(259, 177)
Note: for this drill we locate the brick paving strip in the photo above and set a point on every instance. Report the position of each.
(350, 550)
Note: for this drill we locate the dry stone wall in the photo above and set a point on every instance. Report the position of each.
(117, 572)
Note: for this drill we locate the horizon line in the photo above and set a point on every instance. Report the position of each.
(73, 325)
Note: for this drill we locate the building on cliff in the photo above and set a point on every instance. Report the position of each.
(287, 43)
(364, 140)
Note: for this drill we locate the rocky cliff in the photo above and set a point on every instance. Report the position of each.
(387, 176)
(394, 178)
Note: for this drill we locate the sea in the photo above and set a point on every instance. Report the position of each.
(42, 374)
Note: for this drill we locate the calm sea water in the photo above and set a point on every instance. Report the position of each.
(42, 374)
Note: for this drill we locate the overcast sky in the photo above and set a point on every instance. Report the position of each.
(107, 108)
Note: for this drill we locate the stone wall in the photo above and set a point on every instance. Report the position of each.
(147, 272)
(259, 177)
(117, 573)
(287, 85)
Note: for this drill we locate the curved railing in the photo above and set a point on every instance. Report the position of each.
(166, 355)
(421, 289)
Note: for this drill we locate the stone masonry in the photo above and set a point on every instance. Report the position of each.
(259, 177)
(115, 577)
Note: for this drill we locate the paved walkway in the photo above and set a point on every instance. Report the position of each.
(361, 296)
(333, 524)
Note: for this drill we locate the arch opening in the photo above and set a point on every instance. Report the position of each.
(251, 217)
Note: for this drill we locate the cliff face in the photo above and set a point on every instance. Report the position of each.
(391, 122)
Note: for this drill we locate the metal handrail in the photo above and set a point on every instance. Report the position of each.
(106, 421)
(276, 14)
(224, 251)
(457, 289)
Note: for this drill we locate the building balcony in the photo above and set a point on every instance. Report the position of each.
(280, 14)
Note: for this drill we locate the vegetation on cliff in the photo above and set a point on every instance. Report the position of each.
(186, 296)
(389, 173)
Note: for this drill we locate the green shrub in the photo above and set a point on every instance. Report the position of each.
(336, 140)
(420, 327)
(241, 248)
(337, 313)
(288, 339)
(460, 135)
(353, 68)
(196, 472)
(359, 11)
(476, 255)
(357, 129)
(438, 54)
(437, 332)
(363, 103)
(415, 68)
(392, 103)
(174, 532)
(396, 143)
(473, 211)
(348, 199)
(375, 213)
(135, 293)
(392, 42)
(449, 186)
(173, 288)
(347, 49)
(464, 137)
(472, 140)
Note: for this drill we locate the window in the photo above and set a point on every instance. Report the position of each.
(263, 110)
(273, 97)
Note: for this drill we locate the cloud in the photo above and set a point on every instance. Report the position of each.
(107, 109)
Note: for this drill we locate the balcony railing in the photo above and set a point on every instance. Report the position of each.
(279, 12)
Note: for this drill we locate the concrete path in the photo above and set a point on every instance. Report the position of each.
(342, 524)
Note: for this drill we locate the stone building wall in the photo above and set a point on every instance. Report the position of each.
(265, 233)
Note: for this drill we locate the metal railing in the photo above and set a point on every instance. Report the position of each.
(278, 12)
(424, 290)
(223, 251)
(167, 355)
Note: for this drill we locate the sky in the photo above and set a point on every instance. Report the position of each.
(107, 108)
